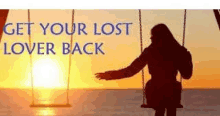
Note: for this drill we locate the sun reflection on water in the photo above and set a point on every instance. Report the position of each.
(45, 112)
(44, 96)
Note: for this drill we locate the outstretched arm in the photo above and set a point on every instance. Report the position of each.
(129, 71)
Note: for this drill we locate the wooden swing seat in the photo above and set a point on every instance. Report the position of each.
(148, 106)
(50, 105)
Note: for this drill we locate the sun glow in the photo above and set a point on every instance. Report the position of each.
(45, 112)
(47, 74)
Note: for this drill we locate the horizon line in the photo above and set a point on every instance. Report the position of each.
(1, 88)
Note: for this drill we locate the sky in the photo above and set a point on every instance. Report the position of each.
(202, 40)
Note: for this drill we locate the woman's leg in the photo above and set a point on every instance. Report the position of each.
(160, 112)
(171, 111)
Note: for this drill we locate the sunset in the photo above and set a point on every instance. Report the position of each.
(110, 61)
(47, 74)
(202, 39)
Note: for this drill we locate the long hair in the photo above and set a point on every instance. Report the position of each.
(161, 34)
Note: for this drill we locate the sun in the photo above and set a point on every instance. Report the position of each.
(47, 74)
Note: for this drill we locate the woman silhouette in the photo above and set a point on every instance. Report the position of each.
(165, 57)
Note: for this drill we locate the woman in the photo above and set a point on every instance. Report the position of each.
(165, 57)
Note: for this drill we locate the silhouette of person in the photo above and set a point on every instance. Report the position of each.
(165, 57)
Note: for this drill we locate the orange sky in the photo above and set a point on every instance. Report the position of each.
(202, 39)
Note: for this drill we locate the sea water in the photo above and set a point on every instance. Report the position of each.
(15, 102)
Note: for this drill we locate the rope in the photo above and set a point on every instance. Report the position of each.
(31, 64)
(71, 41)
(141, 44)
(184, 28)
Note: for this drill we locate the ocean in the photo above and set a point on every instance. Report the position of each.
(85, 102)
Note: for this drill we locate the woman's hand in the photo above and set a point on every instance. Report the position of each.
(109, 75)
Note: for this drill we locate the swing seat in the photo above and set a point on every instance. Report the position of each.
(50, 105)
(148, 106)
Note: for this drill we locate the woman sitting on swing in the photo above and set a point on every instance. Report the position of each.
(165, 57)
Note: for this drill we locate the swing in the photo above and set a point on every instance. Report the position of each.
(217, 16)
(144, 105)
(32, 83)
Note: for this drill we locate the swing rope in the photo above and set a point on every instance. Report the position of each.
(31, 62)
(141, 45)
(31, 68)
(70, 56)
(184, 28)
